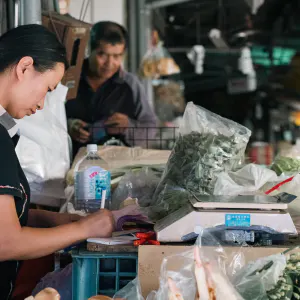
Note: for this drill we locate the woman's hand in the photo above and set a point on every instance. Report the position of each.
(99, 224)
(20, 243)
(39, 218)
(92, 225)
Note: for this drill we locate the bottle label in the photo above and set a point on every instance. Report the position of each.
(91, 183)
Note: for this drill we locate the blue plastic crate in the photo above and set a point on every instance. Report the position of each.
(95, 273)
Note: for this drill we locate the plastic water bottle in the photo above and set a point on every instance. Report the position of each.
(92, 182)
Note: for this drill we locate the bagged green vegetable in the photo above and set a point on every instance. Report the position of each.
(272, 277)
(286, 165)
(208, 144)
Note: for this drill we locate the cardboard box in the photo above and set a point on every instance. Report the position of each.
(151, 257)
(74, 35)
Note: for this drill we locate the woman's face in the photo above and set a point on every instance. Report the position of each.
(29, 87)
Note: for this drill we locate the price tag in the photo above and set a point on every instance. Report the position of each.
(237, 220)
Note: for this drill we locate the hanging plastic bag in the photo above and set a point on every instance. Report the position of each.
(43, 149)
(207, 145)
(158, 62)
(169, 100)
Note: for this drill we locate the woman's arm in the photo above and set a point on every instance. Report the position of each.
(20, 243)
(38, 218)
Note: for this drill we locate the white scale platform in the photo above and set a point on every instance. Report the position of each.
(240, 211)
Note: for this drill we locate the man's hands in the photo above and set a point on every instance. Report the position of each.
(117, 124)
(78, 130)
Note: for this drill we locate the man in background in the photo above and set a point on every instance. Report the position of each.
(110, 102)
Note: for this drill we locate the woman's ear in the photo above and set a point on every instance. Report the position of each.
(24, 64)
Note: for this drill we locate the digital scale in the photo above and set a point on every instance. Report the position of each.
(232, 218)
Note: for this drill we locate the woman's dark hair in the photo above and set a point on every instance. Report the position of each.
(35, 41)
(108, 32)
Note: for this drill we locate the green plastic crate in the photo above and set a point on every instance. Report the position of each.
(95, 273)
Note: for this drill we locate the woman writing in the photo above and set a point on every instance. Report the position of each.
(32, 63)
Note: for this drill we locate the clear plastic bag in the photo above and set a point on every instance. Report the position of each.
(131, 292)
(158, 62)
(273, 277)
(253, 284)
(189, 273)
(223, 272)
(290, 186)
(140, 184)
(213, 263)
(207, 145)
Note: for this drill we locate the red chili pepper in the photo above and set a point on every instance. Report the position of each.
(146, 235)
(139, 242)
(277, 186)
(152, 242)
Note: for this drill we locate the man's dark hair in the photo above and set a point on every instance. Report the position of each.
(35, 41)
(108, 32)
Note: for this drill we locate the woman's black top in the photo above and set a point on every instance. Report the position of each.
(12, 182)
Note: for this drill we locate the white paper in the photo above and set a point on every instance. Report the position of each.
(122, 240)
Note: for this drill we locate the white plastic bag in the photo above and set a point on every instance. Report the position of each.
(290, 186)
(248, 180)
(43, 148)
